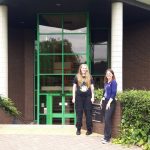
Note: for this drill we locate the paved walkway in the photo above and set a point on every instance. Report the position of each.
(47, 137)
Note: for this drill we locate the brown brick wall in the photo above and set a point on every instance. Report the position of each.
(136, 56)
(99, 127)
(20, 66)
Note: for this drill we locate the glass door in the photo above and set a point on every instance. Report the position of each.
(62, 45)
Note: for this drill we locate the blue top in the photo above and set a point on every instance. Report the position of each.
(110, 90)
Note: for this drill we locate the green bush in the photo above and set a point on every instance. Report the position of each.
(135, 123)
(8, 105)
(98, 94)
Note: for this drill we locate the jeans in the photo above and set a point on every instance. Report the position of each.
(108, 114)
(83, 104)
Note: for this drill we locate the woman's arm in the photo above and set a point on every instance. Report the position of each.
(92, 91)
(74, 93)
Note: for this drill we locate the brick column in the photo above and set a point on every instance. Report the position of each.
(3, 51)
(117, 42)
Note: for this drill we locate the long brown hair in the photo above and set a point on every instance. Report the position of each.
(86, 79)
(113, 77)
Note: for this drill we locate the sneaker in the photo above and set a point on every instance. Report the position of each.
(105, 141)
(88, 132)
(78, 132)
(102, 139)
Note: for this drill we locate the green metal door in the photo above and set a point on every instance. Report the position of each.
(62, 45)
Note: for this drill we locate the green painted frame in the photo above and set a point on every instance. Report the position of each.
(49, 96)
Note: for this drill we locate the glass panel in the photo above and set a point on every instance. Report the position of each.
(74, 23)
(51, 43)
(69, 106)
(51, 83)
(42, 119)
(69, 121)
(57, 104)
(68, 79)
(42, 104)
(98, 81)
(35, 113)
(57, 121)
(50, 23)
(100, 59)
(74, 61)
(75, 43)
(51, 64)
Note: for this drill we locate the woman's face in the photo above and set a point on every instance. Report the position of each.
(83, 69)
(109, 75)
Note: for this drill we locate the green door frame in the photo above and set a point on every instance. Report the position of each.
(49, 115)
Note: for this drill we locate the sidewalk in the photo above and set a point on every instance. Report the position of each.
(50, 137)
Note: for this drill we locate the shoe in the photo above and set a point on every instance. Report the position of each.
(102, 139)
(88, 132)
(78, 132)
(105, 141)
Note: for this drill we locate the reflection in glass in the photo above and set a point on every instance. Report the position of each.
(69, 106)
(42, 119)
(57, 121)
(74, 23)
(75, 43)
(57, 104)
(51, 64)
(100, 58)
(50, 24)
(69, 121)
(75, 61)
(51, 83)
(68, 79)
(50, 43)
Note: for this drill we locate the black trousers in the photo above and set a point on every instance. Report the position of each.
(108, 114)
(83, 104)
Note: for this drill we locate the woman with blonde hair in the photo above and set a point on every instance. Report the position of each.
(83, 97)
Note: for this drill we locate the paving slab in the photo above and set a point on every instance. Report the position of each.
(52, 137)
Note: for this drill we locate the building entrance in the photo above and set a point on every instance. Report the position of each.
(62, 45)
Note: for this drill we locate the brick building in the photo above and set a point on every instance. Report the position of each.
(42, 43)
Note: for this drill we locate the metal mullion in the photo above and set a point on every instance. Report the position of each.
(63, 109)
(49, 103)
(62, 56)
(38, 76)
(87, 39)
(63, 97)
(52, 33)
(72, 54)
(51, 54)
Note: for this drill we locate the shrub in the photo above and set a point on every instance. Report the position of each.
(98, 94)
(8, 105)
(135, 123)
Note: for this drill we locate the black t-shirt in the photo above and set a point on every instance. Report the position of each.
(83, 90)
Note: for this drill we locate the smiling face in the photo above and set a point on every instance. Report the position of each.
(83, 69)
(109, 75)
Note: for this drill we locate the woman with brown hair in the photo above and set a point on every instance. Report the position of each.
(83, 97)
(108, 103)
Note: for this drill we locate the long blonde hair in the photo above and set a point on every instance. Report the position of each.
(86, 79)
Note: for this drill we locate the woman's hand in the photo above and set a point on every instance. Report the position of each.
(92, 100)
(108, 105)
(101, 102)
(73, 100)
